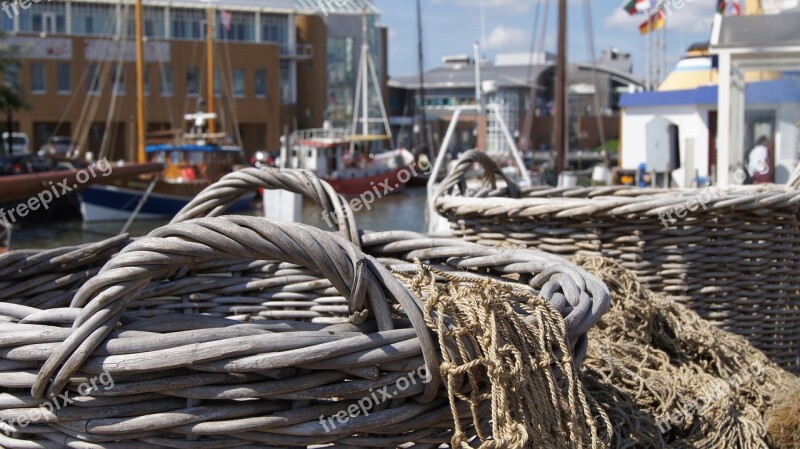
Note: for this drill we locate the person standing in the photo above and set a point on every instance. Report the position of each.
(758, 166)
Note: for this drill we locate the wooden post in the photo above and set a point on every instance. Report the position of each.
(210, 67)
(140, 155)
(561, 90)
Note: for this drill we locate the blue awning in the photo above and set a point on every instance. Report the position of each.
(190, 147)
(766, 92)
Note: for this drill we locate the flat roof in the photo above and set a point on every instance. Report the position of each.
(775, 30)
(766, 92)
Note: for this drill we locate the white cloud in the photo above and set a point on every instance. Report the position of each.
(513, 6)
(508, 39)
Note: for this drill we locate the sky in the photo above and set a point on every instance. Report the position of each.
(450, 27)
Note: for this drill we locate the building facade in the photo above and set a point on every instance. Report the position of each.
(524, 86)
(78, 68)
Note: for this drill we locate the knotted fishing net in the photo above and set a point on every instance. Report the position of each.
(510, 347)
(669, 379)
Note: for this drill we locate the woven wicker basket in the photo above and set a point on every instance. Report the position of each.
(243, 332)
(732, 254)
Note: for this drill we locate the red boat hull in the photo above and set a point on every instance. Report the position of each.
(384, 183)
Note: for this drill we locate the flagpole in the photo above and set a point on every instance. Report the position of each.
(648, 81)
(657, 60)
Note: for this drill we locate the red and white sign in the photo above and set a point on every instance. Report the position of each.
(41, 48)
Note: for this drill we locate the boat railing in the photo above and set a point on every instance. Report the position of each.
(321, 135)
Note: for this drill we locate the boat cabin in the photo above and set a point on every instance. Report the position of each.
(332, 152)
(187, 163)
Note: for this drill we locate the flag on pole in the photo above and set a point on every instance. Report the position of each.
(226, 17)
(655, 22)
(638, 6)
(722, 6)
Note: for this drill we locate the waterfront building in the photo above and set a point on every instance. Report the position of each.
(272, 70)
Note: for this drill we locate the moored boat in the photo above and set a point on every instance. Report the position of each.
(345, 162)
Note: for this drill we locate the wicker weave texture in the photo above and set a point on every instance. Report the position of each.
(731, 254)
(243, 332)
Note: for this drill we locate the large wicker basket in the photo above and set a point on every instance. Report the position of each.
(244, 332)
(732, 254)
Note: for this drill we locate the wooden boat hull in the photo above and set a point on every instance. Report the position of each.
(384, 183)
(116, 202)
(19, 187)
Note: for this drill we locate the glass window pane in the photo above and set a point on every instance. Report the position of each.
(64, 74)
(45, 17)
(275, 29)
(238, 82)
(94, 19)
(93, 79)
(261, 83)
(166, 80)
(38, 77)
(218, 82)
(119, 81)
(192, 81)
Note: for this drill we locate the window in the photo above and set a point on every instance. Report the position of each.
(64, 77)
(93, 79)
(153, 20)
(261, 83)
(6, 22)
(119, 80)
(275, 29)
(38, 78)
(166, 81)
(187, 23)
(238, 83)
(218, 82)
(286, 84)
(45, 18)
(236, 26)
(193, 81)
(94, 19)
(146, 81)
(12, 75)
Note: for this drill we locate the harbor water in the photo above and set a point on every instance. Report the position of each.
(404, 210)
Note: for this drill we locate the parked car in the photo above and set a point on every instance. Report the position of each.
(20, 144)
(29, 163)
(60, 146)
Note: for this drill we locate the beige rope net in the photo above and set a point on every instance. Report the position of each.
(510, 347)
(668, 378)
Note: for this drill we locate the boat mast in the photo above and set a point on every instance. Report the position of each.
(210, 68)
(365, 76)
(140, 155)
(423, 121)
(561, 90)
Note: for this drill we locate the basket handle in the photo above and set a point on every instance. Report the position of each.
(216, 198)
(794, 180)
(457, 177)
(103, 299)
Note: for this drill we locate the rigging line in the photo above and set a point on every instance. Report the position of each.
(226, 54)
(114, 105)
(70, 102)
(524, 138)
(167, 100)
(528, 126)
(590, 37)
(93, 102)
